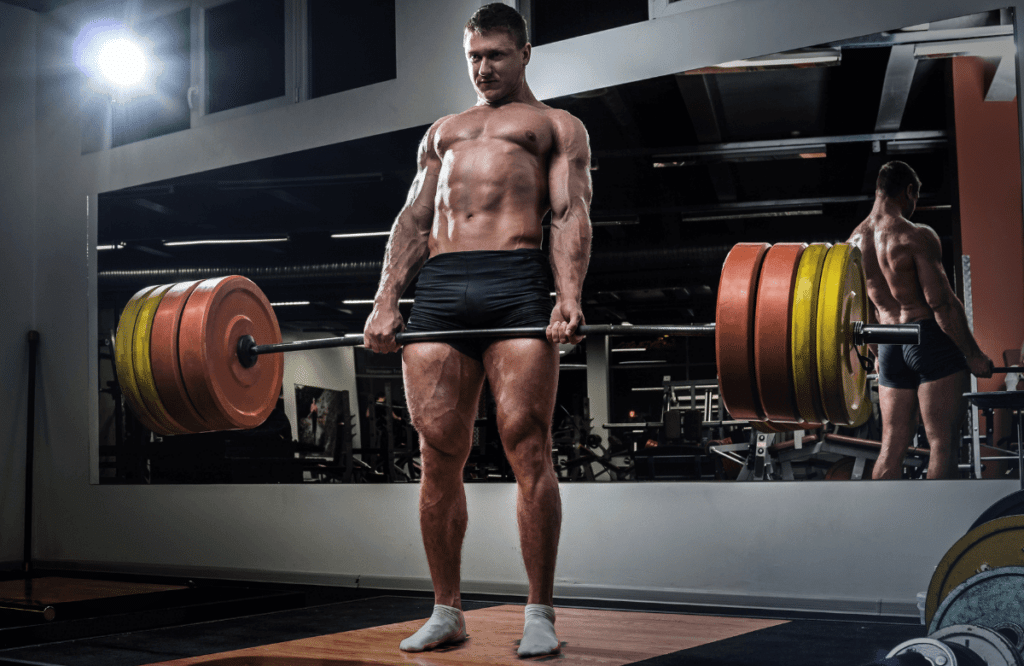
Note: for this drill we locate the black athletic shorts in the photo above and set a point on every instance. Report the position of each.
(482, 289)
(908, 366)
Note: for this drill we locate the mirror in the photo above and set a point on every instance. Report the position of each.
(783, 148)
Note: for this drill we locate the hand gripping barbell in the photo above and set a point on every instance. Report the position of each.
(790, 341)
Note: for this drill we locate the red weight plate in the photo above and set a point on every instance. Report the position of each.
(163, 353)
(734, 330)
(218, 313)
(773, 354)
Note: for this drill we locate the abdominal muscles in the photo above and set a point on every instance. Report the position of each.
(491, 195)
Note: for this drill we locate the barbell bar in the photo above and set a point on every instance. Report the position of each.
(186, 354)
(248, 350)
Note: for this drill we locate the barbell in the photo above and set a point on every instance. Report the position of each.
(790, 337)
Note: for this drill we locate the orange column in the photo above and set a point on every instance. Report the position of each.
(991, 223)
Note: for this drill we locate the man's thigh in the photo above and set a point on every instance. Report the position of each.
(523, 376)
(442, 389)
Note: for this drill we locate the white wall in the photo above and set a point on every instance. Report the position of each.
(17, 261)
(840, 546)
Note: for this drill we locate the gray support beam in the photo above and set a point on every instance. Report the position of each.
(1003, 86)
(899, 75)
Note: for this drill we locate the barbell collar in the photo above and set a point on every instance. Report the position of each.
(886, 334)
(248, 350)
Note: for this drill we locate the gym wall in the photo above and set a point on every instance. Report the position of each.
(823, 546)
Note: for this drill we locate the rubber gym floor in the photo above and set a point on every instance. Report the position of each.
(106, 620)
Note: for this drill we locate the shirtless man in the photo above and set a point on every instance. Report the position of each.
(472, 221)
(906, 283)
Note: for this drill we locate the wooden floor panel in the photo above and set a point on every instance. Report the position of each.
(57, 590)
(592, 637)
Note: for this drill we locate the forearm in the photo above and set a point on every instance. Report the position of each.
(570, 254)
(406, 252)
(952, 319)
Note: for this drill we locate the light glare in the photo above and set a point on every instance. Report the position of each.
(122, 62)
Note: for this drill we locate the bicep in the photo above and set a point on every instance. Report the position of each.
(419, 203)
(569, 171)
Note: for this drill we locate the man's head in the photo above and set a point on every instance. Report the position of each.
(898, 181)
(497, 51)
(498, 16)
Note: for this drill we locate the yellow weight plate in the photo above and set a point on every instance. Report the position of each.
(123, 343)
(805, 318)
(143, 368)
(991, 545)
(842, 300)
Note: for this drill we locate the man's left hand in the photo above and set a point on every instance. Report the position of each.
(566, 318)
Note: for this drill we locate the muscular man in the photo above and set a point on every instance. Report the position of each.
(472, 221)
(906, 283)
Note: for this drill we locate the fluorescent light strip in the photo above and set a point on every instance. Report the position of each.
(288, 303)
(631, 349)
(116, 246)
(365, 234)
(234, 241)
(370, 301)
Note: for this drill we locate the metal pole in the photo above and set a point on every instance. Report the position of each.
(33, 347)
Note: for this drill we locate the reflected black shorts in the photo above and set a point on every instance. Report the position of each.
(908, 366)
(482, 289)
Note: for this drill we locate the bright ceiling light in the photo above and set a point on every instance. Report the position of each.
(114, 58)
(122, 62)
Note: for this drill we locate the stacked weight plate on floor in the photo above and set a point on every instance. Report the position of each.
(784, 335)
(980, 581)
(177, 362)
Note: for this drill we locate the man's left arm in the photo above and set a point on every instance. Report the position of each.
(570, 191)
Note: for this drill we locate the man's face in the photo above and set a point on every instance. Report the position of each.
(496, 65)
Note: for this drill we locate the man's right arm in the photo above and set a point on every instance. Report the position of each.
(407, 249)
(949, 311)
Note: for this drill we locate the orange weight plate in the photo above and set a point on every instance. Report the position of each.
(164, 358)
(123, 343)
(219, 312)
(734, 330)
(842, 300)
(773, 353)
(805, 318)
(141, 345)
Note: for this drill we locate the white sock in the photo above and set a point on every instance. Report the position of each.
(446, 625)
(538, 632)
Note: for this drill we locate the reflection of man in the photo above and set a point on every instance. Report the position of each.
(906, 283)
(486, 177)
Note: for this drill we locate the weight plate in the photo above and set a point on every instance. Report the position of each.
(988, 599)
(734, 330)
(144, 369)
(993, 648)
(123, 339)
(218, 313)
(1011, 505)
(805, 318)
(773, 352)
(991, 545)
(164, 358)
(842, 300)
(936, 652)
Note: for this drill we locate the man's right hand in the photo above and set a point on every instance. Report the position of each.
(381, 327)
(980, 365)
